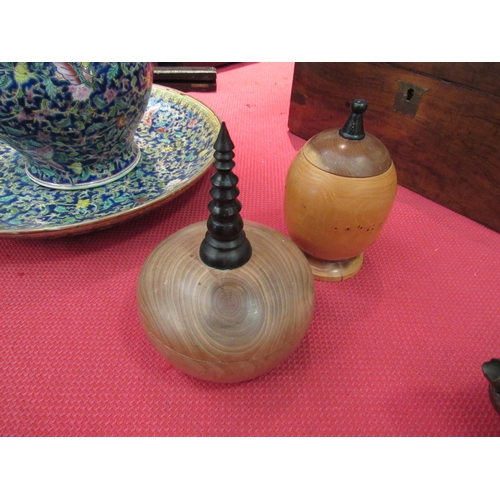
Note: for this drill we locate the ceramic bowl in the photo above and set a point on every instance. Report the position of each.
(74, 123)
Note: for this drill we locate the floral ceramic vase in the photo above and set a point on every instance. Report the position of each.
(74, 123)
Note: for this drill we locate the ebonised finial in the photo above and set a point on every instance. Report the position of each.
(353, 128)
(225, 245)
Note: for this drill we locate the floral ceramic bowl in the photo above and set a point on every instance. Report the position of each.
(74, 123)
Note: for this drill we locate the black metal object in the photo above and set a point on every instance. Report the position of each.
(186, 78)
(225, 245)
(491, 371)
(408, 98)
(353, 128)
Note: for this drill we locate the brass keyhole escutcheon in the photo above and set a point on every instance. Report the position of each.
(408, 98)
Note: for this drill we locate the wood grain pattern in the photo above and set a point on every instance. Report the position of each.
(220, 325)
(331, 217)
(332, 153)
(483, 76)
(338, 270)
(449, 152)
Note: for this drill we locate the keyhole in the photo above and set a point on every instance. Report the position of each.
(409, 94)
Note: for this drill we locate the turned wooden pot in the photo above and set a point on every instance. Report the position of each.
(221, 303)
(226, 325)
(339, 191)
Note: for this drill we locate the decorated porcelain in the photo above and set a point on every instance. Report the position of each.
(176, 137)
(74, 123)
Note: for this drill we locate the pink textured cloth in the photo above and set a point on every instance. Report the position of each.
(395, 351)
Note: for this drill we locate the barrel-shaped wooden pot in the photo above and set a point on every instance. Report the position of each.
(338, 196)
(226, 325)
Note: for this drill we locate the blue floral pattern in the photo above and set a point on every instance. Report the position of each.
(74, 122)
(176, 137)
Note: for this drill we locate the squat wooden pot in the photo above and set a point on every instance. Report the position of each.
(226, 325)
(221, 303)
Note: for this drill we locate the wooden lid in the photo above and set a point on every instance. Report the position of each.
(329, 151)
(349, 151)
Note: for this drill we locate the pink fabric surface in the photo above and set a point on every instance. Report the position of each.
(395, 351)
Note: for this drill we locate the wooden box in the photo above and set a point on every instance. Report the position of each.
(439, 121)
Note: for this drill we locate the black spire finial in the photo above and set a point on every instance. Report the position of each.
(225, 245)
(353, 128)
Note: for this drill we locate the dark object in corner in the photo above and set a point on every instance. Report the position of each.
(491, 371)
(186, 78)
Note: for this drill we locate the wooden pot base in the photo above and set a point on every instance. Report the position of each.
(339, 270)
